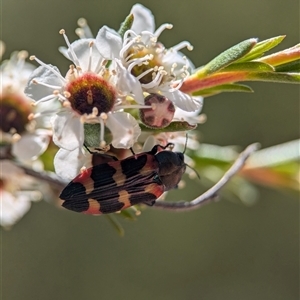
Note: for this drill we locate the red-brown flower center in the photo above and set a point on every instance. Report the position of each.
(14, 112)
(89, 91)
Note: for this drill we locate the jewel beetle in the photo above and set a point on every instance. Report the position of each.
(115, 185)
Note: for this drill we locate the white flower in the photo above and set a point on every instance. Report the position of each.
(16, 194)
(158, 70)
(15, 72)
(27, 140)
(90, 93)
(13, 208)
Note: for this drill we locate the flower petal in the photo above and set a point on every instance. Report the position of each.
(67, 131)
(44, 75)
(108, 43)
(124, 128)
(181, 60)
(143, 19)
(13, 208)
(184, 101)
(190, 117)
(31, 145)
(67, 163)
(64, 51)
(128, 84)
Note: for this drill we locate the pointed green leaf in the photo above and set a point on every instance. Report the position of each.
(275, 155)
(223, 88)
(173, 127)
(249, 66)
(126, 25)
(293, 66)
(226, 58)
(274, 77)
(260, 48)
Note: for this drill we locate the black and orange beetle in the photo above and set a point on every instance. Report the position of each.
(116, 185)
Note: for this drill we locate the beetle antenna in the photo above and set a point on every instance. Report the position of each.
(89, 151)
(194, 170)
(132, 151)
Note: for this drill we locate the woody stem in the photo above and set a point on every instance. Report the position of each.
(212, 193)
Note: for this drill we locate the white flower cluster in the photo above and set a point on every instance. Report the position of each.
(21, 138)
(119, 83)
(111, 75)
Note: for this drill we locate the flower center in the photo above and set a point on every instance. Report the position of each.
(160, 115)
(14, 112)
(90, 91)
(141, 68)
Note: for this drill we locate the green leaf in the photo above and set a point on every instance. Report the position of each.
(293, 66)
(224, 88)
(173, 127)
(213, 155)
(249, 66)
(274, 77)
(126, 25)
(275, 155)
(260, 48)
(226, 58)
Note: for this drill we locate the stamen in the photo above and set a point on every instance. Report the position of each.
(33, 57)
(132, 106)
(74, 56)
(100, 66)
(161, 28)
(79, 70)
(102, 127)
(39, 114)
(85, 29)
(90, 56)
(94, 112)
(16, 137)
(144, 73)
(128, 34)
(177, 87)
(128, 45)
(155, 82)
(67, 94)
(66, 104)
(90, 118)
(80, 33)
(44, 99)
(55, 87)
(60, 97)
(83, 169)
(22, 55)
(174, 65)
(153, 39)
(103, 116)
(182, 45)
(139, 61)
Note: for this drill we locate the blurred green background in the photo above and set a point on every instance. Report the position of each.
(222, 251)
